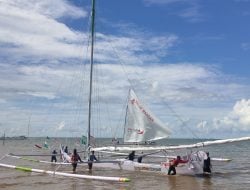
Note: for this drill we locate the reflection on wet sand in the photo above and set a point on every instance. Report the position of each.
(207, 183)
(183, 183)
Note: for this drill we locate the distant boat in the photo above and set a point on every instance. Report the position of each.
(22, 137)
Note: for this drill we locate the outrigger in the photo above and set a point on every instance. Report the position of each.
(141, 125)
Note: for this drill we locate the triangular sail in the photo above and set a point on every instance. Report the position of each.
(141, 124)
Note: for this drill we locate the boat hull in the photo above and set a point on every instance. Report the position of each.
(193, 166)
(162, 168)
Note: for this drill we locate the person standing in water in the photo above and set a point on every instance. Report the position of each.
(207, 164)
(131, 156)
(66, 150)
(74, 159)
(53, 157)
(92, 158)
(174, 164)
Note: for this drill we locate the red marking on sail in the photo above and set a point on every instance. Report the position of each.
(135, 102)
(138, 131)
(36, 145)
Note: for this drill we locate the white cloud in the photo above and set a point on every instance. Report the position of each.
(54, 9)
(54, 94)
(236, 122)
(239, 118)
(32, 33)
(166, 1)
(188, 9)
(134, 48)
(241, 0)
(35, 36)
(192, 13)
(231, 124)
(39, 81)
(242, 111)
(40, 73)
(245, 46)
(2, 101)
(60, 126)
(40, 94)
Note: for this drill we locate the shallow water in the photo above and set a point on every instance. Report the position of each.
(231, 175)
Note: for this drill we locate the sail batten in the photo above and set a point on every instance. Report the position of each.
(141, 124)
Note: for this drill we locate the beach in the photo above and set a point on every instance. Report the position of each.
(226, 175)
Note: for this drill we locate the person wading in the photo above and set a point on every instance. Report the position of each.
(174, 163)
(74, 159)
(92, 158)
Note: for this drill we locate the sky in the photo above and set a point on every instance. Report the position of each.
(187, 60)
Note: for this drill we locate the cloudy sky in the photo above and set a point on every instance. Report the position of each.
(187, 60)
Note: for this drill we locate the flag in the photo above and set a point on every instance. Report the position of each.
(45, 145)
(84, 140)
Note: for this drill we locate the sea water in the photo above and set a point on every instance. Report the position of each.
(226, 175)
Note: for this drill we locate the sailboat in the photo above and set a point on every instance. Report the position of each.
(65, 155)
(142, 125)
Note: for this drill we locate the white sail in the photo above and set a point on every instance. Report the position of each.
(141, 124)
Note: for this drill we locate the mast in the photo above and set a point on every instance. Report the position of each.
(28, 132)
(91, 69)
(4, 138)
(126, 114)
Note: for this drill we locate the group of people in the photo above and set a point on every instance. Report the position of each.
(206, 165)
(175, 162)
(75, 158)
(131, 157)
